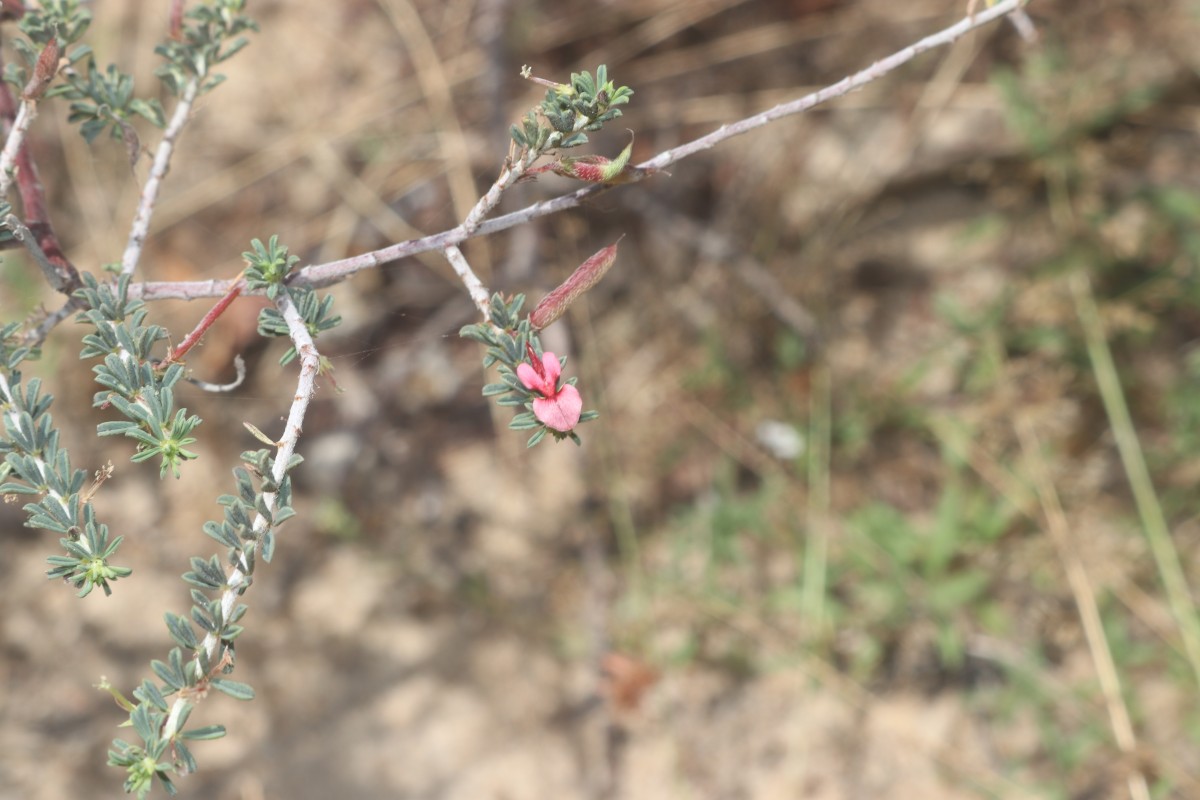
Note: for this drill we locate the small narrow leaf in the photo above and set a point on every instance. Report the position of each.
(235, 689)
(204, 733)
(167, 675)
(181, 631)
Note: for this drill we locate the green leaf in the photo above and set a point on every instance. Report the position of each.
(205, 733)
(206, 574)
(144, 723)
(181, 631)
(183, 755)
(235, 689)
(167, 675)
(151, 694)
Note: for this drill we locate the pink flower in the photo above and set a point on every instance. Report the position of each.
(557, 408)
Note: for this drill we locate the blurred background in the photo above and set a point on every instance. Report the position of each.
(900, 414)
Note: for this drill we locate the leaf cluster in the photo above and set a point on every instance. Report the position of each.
(100, 100)
(567, 110)
(145, 764)
(105, 101)
(267, 267)
(134, 384)
(508, 338)
(64, 20)
(36, 465)
(211, 34)
(267, 270)
(249, 523)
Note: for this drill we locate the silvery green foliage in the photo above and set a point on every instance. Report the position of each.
(66, 20)
(567, 110)
(210, 34)
(35, 465)
(134, 384)
(201, 661)
(267, 269)
(137, 387)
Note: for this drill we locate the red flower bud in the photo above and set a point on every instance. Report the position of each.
(11, 9)
(585, 276)
(594, 169)
(43, 71)
(175, 21)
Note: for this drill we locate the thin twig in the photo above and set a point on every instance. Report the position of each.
(321, 275)
(189, 341)
(842, 87)
(35, 336)
(511, 173)
(26, 113)
(26, 237)
(1024, 26)
(162, 163)
(435, 86)
(475, 287)
(310, 362)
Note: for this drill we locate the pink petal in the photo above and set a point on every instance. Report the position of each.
(553, 370)
(560, 412)
(544, 382)
(529, 377)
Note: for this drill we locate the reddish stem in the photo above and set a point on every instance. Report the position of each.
(216, 311)
(33, 201)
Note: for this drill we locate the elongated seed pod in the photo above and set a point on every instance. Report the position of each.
(585, 276)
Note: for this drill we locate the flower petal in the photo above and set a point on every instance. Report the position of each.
(529, 376)
(553, 370)
(561, 412)
(540, 377)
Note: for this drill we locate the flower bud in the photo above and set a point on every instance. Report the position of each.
(594, 169)
(11, 10)
(585, 276)
(175, 21)
(43, 71)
